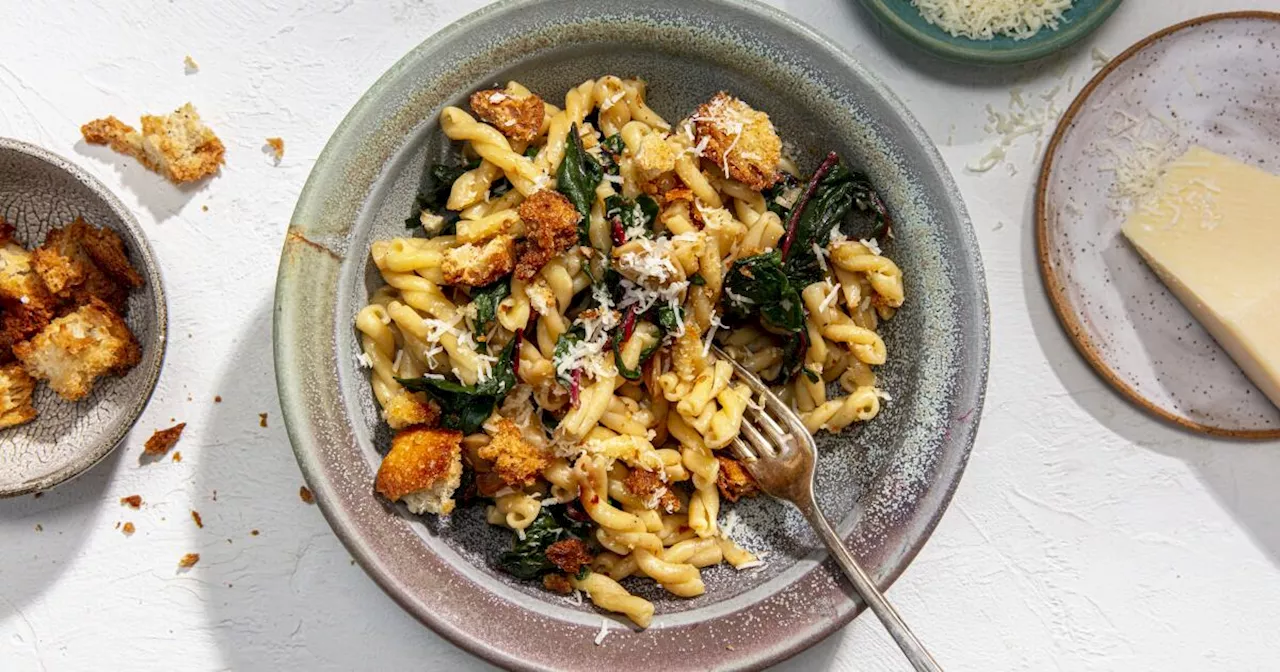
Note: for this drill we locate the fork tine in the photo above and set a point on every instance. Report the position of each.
(742, 451)
(764, 447)
(772, 430)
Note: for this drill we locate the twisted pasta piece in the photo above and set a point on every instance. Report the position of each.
(495, 148)
(835, 325)
(859, 406)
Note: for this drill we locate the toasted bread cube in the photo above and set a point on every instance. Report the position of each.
(551, 227)
(651, 490)
(739, 139)
(407, 408)
(16, 388)
(80, 261)
(77, 348)
(734, 481)
(478, 265)
(423, 468)
(517, 117)
(657, 155)
(20, 283)
(515, 460)
(178, 146)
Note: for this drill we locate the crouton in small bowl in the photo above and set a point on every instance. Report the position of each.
(82, 320)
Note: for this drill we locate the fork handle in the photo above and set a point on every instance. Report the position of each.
(914, 650)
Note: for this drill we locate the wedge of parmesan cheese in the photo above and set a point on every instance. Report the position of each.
(1211, 230)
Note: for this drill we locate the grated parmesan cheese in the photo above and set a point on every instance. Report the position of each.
(871, 245)
(604, 631)
(984, 19)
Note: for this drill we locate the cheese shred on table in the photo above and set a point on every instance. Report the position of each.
(985, 19)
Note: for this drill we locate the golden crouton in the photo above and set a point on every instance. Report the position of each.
(80, 261)
(21, 288)
(657, 155)
(406, 409)
(651, 489)
(551, 227)
(178, 146)
(734, 481)
(557, 583)
(15, 396)
(518, 118)
(77, 348)
(570, 555)
(739, 139)
(478, 265)
(516, 461)
(423, 468)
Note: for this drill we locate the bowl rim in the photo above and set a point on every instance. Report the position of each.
(86, 459)
(297, 414)
(1026, 50)
(1056, 289)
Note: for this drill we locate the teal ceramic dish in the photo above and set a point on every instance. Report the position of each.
(885, 483)
(903, 17)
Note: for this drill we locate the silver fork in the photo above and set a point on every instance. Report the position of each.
(780, 454)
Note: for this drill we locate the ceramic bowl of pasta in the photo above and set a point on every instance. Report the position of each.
(498, 307)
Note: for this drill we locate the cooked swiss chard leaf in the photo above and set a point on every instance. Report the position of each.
(531, 152)
(633, 215)
(466, 407)
(564, 345)
(783, 195)
(670, 318)
(793, 351)
(649, 350)
(868, 201)
(486, 300)
(440, 179)
(611, 153)
(825, 210)
(759, 286)
(527, 558)
(577, 178)
(697, 280)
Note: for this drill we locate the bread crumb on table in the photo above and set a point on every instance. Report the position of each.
(164, 439)
(178, 146)
(195, 515)
(39, 527)
(254, 533)
(133, 501)
(262, 419)
(305, 493)
(189, 560)
(177, 456)
(217, 399)
(276, 147)
(190, 64)
(128, 528)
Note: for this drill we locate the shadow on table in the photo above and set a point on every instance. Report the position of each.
(162, 199)
(33, 560)
(289, 597)
(1242, 476)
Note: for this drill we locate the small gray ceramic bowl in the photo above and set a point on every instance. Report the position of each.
(40, 191)
(885, 483)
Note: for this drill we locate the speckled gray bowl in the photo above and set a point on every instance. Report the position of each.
(39, 191)
(886, 483)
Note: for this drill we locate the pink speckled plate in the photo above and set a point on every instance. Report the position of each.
(1212, 81)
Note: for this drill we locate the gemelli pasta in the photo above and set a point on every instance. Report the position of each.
(544, 345)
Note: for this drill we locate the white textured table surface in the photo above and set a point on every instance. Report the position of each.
(1084, 536)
